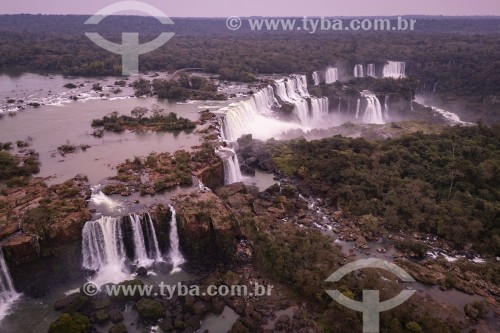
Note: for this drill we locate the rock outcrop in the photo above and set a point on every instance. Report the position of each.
(206, 228)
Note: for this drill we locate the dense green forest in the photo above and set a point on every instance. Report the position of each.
(461, 55)
(446, 184)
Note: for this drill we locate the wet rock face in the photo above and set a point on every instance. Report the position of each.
(206, 228)
(253, 155)
(212, 175)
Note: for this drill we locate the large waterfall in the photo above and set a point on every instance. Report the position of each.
(8, 293)
(370, 70)
(331, 75)
(358, 71)
(373, 111)
(395, 69)
(315, 78)
(175, 252)
(255, 115)
(103, 247)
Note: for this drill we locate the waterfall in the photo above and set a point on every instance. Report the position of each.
(331, 75)
(8, 293)
(319, 108)
(394, 69)
(358, 71)
(434, 88)
(154, 248)
(370, 70)
(175, 252)
(315, 78)
(103, 248)
(373, 111)
(358, 104)
(141, 255)
(338, 110)
(386, 107)
(232, 173)
(255, 115)
(301, 110)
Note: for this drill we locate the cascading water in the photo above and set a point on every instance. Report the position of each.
(394, 69)
(98, 198)
(154, 248)
(373, 111)
(331, 75)
(301, 110)
(8, 293)
(386, 107)
(370, 70)
(358, 71)
(175, 252)
(319, 109)
(232, 173)
(358, 104)
(103, 248)
(315, 78)
(141, 255)
(255, 115)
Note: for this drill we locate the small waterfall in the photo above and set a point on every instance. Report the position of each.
(370, 70)
(153, 249)
(394, 69)
(373, 111)
(331, 75)
(8, 293)
(315, 78)
(319, 109)
(338, 109)
(434, 88)
(358, 104)
(141, 254)
(175, 252)
(386, 107)
(232, 173)
(358, 71)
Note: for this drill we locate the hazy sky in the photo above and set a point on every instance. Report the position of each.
(223, 8)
